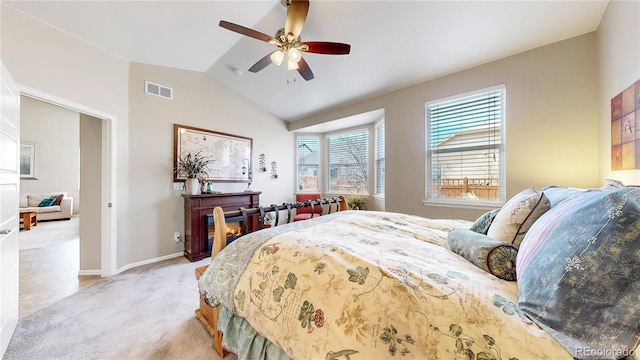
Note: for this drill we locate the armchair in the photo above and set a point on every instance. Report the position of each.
(305, 212)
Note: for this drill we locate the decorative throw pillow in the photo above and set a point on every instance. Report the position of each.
(578, 269)
(46, 202)
(481, 225)
(516, 216)
(494, 256)
(557, 195)
(58, 199)
(33, 200)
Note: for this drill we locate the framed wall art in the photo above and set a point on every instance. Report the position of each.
(29, 158)
(625, 134)
(229, 155)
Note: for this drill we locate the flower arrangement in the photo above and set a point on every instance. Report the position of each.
(193, 166)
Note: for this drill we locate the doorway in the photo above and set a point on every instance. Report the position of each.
(107, 226)
(69, 160)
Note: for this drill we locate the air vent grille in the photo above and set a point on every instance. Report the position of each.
(158, 90)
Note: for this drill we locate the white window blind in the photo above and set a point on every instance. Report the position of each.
(349, 162)
(308, 161)
(465, 147)
(380, 165)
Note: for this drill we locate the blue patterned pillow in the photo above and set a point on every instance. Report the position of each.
(557, 195)
(482, 224)
(577, 271)
(47, 202)
(494, 256)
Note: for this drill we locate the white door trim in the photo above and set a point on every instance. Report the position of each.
(10, 187)
(108, 244)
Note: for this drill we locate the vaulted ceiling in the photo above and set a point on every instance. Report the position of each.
(394, 44)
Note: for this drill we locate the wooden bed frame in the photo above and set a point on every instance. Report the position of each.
(208, 315)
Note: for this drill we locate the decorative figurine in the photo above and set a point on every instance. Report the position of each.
(262, 163)
(250, 181)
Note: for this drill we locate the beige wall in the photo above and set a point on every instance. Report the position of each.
(147, 211)
(90, 184)
(551, 126)
(619, 67)
(198, 101)
(55, 130)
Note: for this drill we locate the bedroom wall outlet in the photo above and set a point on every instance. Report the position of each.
(176, 236)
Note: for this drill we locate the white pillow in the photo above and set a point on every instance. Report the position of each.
(517, 215)
(34, 199)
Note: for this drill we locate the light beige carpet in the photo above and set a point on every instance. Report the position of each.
(143, 313)
(41, 235)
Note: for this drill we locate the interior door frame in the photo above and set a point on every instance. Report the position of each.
(10, 179)
(108, 244)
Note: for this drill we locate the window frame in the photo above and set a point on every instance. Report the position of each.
(469, 203)
(379, 124)
(320, 182)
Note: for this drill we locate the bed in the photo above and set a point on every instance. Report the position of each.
(375, 285)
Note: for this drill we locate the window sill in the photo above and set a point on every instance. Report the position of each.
(333, 194)
(480, 205)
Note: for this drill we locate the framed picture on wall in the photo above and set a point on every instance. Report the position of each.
(625, 133)
(29, 157)
(230, 155)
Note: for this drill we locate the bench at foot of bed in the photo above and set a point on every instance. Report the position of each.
(209, 317)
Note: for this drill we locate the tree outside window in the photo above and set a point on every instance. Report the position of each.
(349, 162)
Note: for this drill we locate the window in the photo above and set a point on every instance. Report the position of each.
(380, 159)
(308, 160)
(465, 148)
(349, 162)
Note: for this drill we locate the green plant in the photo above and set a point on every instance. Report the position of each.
(193, 166)
(356, 203)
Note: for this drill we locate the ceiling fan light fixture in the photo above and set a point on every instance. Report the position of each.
(288, 41)
(292, 65)
(277, 57)
(294, 54)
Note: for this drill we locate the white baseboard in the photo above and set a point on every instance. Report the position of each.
(131, 266)
(150, 261)
(89, 273)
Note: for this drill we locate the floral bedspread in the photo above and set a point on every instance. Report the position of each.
(372, 285)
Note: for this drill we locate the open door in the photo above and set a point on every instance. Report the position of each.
(9, 221)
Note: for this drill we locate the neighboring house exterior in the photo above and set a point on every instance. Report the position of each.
(470, 173)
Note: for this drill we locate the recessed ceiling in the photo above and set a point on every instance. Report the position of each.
(394, 44)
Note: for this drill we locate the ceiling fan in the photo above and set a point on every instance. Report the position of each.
(288, 41)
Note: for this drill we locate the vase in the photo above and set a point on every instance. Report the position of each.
(192, 187)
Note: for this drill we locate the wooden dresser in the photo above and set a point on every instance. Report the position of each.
(196, 209)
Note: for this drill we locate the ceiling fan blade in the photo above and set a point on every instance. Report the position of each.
(329, 48)
(245, 31)
(305, 70)
(296, 16)
(262, 63)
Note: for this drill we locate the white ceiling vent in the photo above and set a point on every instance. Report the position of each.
(158, 90)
